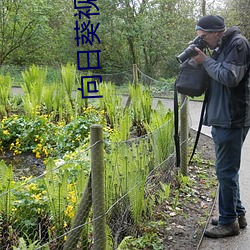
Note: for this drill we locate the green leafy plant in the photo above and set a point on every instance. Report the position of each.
(30, 208)
(147, 241)
(48, 98)
(43, 137)
(141, 105)
(161, 126)
(176, 199)
(33, 86)
(5, 90)
(113, 108)
(184, 181)
(6, 184)
(6, 204)
(164, 191)
(23, 245)
(126, 174)
(68, 74)
(56, 187)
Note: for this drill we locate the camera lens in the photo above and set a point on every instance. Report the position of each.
(187, 53)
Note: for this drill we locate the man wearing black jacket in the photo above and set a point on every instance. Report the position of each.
(228, 112)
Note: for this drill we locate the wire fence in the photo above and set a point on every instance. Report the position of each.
(162, 86)
(42, 209)
(54, 210)
(158, 87)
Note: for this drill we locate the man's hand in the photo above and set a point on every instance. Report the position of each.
(200, 58)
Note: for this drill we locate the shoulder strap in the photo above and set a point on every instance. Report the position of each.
(176, 127)
(199, 127)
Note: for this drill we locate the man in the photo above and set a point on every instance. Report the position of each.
(228, 112)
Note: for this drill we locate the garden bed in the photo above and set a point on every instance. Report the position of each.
(150, 204)
(178, 221)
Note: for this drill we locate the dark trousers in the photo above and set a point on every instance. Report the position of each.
(228, 145)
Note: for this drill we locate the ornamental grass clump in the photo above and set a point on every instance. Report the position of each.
(141, 106)
(111, 103)
(33, 85)
(68, 75)
(126, 172)
(160, 131)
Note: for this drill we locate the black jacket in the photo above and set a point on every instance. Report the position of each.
(229, 90)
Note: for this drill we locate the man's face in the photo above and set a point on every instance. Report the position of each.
(211, 38)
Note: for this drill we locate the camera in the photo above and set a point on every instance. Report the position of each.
(190, 51)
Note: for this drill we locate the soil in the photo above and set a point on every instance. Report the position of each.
(25, 164)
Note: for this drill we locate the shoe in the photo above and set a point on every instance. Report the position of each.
(241, 219)
(221, 231)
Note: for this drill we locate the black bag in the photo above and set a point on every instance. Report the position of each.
(192, 80)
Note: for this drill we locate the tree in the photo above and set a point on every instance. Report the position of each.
(237, 13)
(35, 31)
(20, 22)
(149, 33)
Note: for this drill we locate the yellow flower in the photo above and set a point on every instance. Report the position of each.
(6, 132)
(11, 146)
(16, 152)
(45, 151)
(69, 211)
(38, 155)
(73, 199)
(31, 187)
(37, 196)
(14, 209)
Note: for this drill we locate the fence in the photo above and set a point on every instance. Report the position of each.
(53, 210)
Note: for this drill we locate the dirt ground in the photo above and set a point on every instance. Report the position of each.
(187, 222)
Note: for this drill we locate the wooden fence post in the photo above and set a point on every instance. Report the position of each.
(135, 81)
(135, 74)
(98, 195)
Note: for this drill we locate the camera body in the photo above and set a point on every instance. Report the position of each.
(190, 51)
